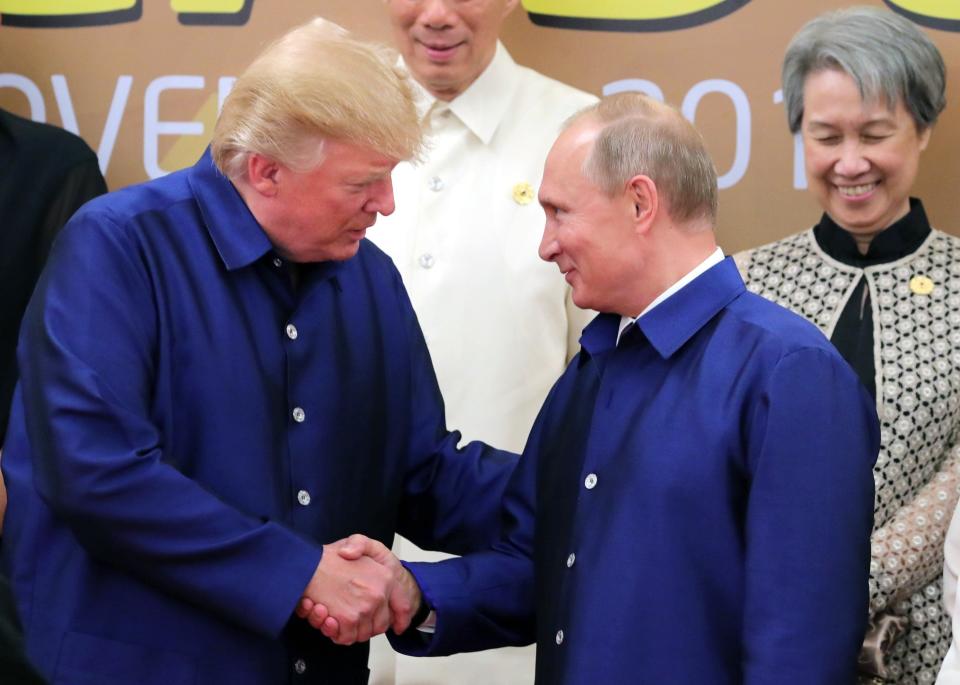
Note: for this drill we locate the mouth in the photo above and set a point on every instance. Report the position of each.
(440, 52)
(857, 191)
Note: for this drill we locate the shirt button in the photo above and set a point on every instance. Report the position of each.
(291, 331)
(277, 262)
(559, 637)
(303, 497)
(300, 666)
(571, 560)
(299, 415)
(590, 482)
(435, 184)
(427, 260)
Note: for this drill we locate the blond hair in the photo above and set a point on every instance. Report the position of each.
(316, 83)
(640, 135)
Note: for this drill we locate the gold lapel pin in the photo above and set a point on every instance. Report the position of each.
(921, 285)
(523, 193)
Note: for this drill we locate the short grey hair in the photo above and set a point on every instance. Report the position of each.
(640, 135)
(886, 55)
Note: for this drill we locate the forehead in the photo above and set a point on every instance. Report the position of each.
(349, 158)
(831, 94)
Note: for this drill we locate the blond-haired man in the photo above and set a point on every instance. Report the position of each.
(220, 379)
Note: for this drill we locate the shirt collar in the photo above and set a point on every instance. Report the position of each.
(484, 104)
(238, 237)
(676, 319)
(901, 238)
(715, 258)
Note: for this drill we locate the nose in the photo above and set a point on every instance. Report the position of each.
(549, 248)
(852, 162)
(436, 14)
(381, 198)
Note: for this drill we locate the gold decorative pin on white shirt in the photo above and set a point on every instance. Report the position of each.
(921, 285)
(523, 193)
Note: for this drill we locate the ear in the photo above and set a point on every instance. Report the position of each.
(925, 137)
(263, 174)
(641, 193)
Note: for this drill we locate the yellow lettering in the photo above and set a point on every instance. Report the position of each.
(48, 8)
(207, 6)
(932, 9)
(619, 9)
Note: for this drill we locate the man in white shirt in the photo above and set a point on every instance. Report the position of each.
(498, 321)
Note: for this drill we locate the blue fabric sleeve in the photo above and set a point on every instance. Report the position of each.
(452, 495)
(808, 521)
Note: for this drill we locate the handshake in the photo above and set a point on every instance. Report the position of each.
(359, 590)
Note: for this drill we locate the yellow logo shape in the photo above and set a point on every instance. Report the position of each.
(921, 285)
(628, 15)
(74, 13)
(937, 14)
(523, 193)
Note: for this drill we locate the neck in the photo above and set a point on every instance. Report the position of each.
(680, 251)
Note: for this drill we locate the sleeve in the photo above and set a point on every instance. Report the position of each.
(486, 599)
(813, 441)
(907, 551)
(452, 496)
(87, 355)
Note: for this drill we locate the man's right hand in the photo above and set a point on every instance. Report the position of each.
(348, 598)
(403, 600)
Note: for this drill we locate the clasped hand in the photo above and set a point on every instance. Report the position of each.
(359, 590)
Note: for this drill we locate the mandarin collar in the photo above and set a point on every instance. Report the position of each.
(484, 104)
(678, 318)
(900, 239)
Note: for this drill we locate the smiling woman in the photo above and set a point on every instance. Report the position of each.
(864, 88)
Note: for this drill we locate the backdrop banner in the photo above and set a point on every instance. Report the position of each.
(142, 82)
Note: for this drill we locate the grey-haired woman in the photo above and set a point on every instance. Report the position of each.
(864, 88)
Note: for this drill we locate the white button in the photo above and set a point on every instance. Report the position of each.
(426, 260)
(277, 262)
(303, 497)
(571, 560)
(435, 184)
(300, 666)
(590, 482)
(291, 331)
(559, 637)
(299, 415)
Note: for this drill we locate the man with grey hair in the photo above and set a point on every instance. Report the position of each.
(220, 379)
(695, 501)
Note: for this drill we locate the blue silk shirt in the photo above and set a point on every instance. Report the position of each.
(191, 427)
(693, 506)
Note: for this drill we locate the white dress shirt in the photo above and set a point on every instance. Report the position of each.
(498, 321)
